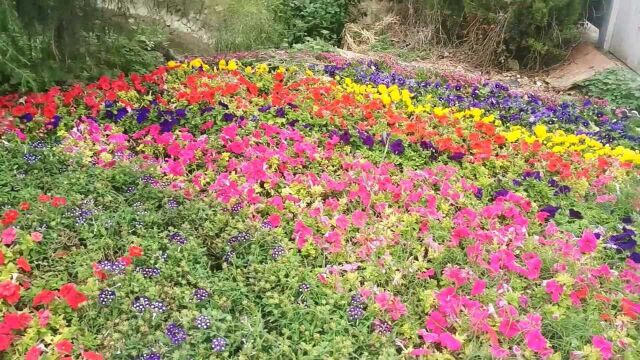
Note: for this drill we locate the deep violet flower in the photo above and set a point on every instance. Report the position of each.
(397, 147)
(367, 139)
(551, 210)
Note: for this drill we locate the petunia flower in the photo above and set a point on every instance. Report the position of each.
(603, 345)
(587, 243)
(8, 235)
(72, 296)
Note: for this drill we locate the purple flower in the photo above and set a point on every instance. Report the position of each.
(142, 115)
(176, 334)
(219, 344)
(456, 156)
(200, 294)
(479, 193)
(355, 313)
(381, 327)
(140, 303)
(367, 139)
(575, 214)
(278, 252)
(551, 210)
(345, 137)
(202, 322)
(635, 257)
(535, 175)
(280, 112)
(106, 296)
(500, 193)
(228, 117)
(397, 147)
(562, 189)
(264, 109)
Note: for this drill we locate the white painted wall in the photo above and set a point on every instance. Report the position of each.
(622, 32)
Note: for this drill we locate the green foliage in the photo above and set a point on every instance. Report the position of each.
(621, 87)
(302, 19)
(69, 44)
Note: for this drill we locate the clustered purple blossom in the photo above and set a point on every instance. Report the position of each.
(176, 334)
(219, 344)
(116, 267)
(178, 238)
(148, 272)
(202, 322)
(106, 296)
(278, 252)
(200, 294)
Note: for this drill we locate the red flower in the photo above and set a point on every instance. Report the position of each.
(72, 296)
(64, 347)
(44, 198)
(135, 251)
(23, 264)
(24, 206)
(58, 201)
(9, 217)
(10, 291)
(90, 355)
(1, 258)
(33, 353)
(5, 341)
(16, 321)
(44, 297)
(630, 309)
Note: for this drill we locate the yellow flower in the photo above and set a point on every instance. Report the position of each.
(248, 70)
(540, 131)
(232, 65)
(222, 64)
(196, 63)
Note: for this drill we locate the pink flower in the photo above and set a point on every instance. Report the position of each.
(342, 222)
(359, 218)
(509, 328)
(478, 287)
(382, 299)
(426, 274)
(8, 236)
(36, 236)
(43, 317)
(117, 138)
(428, 337)
(554, 289)
(396, 309)
(603, 345)
(450, 342)
(499, 352)
(587, 243)
(419, 352)
(536, 342)
(274, 220)
(606, 198)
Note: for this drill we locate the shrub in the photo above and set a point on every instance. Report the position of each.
(71, 43)
(536, 33)
(302, 19)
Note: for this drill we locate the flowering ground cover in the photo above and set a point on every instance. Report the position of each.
(322, 211)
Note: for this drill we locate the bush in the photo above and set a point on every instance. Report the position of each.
(303, 19)
(536, 33)
(39, 53)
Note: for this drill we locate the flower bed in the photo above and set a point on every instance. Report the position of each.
(324, 211)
